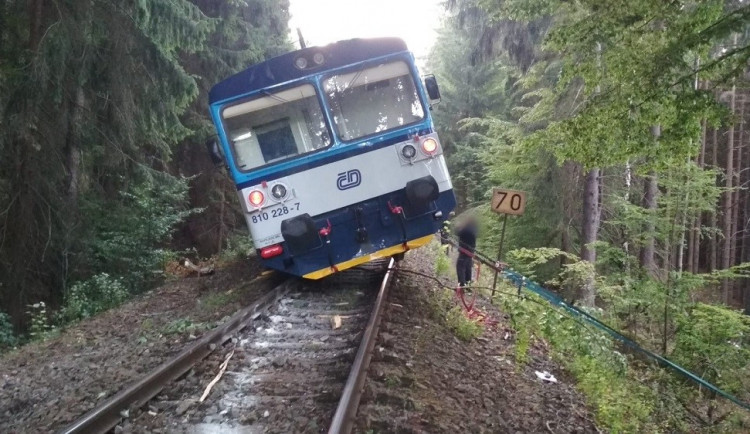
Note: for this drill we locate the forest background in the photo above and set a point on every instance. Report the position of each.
(103, 173)
(624, 120)
(625, 123)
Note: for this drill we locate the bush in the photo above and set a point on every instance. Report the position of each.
(128, 236)
(7, 338)
(622, 404)
(631, 396)
(40, 328)
(92, 296)
(239, 245)
(713, 340)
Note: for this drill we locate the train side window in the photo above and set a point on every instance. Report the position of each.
(275, 127)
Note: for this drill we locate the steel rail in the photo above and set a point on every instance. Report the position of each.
(343, 419)
(106, 416)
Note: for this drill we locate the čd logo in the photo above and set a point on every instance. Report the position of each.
(349, 179)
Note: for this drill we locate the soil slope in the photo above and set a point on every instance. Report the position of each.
(424, 379)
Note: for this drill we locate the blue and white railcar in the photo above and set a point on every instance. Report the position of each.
(334, 154)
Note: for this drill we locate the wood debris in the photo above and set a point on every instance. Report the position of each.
(222, 368)
(202, 271)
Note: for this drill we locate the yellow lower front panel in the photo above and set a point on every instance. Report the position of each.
(389, 251)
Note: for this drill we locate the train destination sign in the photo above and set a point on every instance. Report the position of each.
(508, 201)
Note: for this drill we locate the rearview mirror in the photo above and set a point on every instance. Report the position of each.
(214, 151)
(433, 91)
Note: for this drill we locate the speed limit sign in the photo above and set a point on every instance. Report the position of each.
(508, 201)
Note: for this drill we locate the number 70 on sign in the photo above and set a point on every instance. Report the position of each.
(508, 201)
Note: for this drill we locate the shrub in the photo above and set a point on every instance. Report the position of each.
(129, 236)
(40, 327)
(7, 337)
(239, 245)
(92, 296)
(713, 341)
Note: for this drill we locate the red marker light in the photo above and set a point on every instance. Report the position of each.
(256, 198)
(271, 251)
(430, 146)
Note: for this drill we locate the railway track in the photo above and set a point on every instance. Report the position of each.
(285, 361)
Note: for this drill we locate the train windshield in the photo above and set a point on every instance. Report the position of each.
(275, 126)
(373, 100)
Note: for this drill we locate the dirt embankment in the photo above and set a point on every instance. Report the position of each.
(424, 379)
(44, 386)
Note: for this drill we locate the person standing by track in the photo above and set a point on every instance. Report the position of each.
(467, 241)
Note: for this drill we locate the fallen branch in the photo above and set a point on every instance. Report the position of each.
(205, 271)
(222, 368)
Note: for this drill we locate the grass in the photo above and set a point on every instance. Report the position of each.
(391, 382)
(443, 264)
(184, 325)
(219, 299)
(444, 309)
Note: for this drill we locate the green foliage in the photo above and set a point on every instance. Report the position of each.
(711, 341)
(95, 97)
(443, 266)
(634, 66)
(715, 342)
(239, 245)
(129, 235)
(629, 88)
(184, 326)
(97, 294)
(443, 308)
(40, 327)
(8, 338)
(622, 403)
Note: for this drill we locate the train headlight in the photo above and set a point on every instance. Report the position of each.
(278, 191)
(256, 198)
(408, 152)
(318, 58)
(300, 63)
(430, 146)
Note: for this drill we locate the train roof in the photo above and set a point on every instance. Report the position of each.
(281, 69)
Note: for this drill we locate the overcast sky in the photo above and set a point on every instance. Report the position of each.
(326, 21)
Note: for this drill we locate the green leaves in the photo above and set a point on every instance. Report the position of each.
(715, 342)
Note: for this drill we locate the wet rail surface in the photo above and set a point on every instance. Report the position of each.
(301, 354)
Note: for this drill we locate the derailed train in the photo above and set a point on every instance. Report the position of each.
(334, 155)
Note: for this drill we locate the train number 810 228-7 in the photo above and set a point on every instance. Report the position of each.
(276, 212)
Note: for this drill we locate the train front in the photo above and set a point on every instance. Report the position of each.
(334, 154)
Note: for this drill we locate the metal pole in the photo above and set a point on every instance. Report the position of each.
(302, 43)
(500, 251)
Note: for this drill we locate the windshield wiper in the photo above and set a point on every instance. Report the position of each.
(273, 96)
(356, 76)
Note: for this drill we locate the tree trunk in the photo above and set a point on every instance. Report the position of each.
(35, 23)
(3, 24)
(650, 189)
(564, 243)
(736, 227)
(73, 145)
(726, 260)
(712, 244)
(696, 232)
(590, 230)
